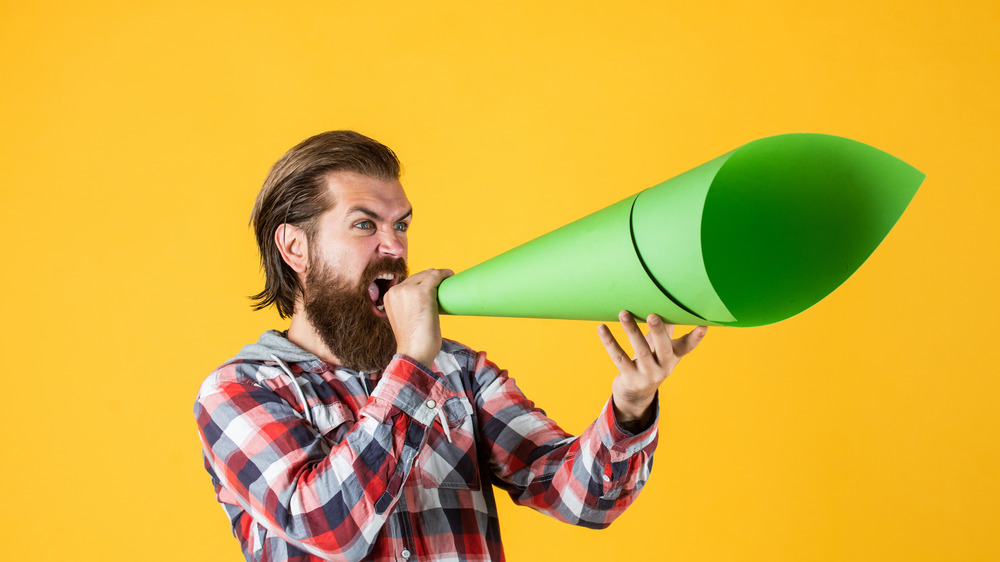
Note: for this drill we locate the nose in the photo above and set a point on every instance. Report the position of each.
(392, 244)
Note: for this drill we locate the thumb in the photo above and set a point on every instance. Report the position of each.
(687, 343)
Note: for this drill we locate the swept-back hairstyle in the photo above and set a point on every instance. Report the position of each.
(295, 192)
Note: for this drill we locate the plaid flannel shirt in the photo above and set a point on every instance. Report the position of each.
(309, 464)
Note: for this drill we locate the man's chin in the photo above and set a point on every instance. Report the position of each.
(355, 331)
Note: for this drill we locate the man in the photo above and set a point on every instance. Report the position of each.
(359, 433)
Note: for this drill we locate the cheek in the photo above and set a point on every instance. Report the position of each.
(360, 254)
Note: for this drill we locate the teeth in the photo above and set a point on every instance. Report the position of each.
(380, 308)
(386, 276)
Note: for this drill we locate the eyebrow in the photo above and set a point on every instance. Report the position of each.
(373, 215)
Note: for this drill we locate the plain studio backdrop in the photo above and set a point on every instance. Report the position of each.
(136, 135)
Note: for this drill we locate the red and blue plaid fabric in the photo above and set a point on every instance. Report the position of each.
(405, 471)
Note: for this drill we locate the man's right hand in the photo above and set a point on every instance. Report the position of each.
(412, 308)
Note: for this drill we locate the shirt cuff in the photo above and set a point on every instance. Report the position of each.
(621, 443)
(410, 387)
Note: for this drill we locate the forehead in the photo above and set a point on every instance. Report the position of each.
(351, 190)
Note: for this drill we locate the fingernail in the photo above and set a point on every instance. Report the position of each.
(623, 315)
(653, 319)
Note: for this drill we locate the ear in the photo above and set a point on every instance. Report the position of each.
(291, 242)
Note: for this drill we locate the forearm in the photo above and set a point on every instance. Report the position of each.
(586, 480)
(596, 477)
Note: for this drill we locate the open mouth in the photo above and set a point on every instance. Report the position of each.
(378, 288)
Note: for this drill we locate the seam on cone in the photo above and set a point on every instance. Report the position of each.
(638, 256)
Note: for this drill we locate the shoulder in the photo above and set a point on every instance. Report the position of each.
(457, 349)
(454, 358)
(462, 356)
(458, 361)
(233, 375)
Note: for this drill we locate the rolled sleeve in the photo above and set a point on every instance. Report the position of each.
(621, 442)
(411, 388)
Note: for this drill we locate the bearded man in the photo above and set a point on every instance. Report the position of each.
(359, 433)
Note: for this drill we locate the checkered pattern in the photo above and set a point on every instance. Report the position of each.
(376, 477)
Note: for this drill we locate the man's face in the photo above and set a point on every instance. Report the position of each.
(358, 253)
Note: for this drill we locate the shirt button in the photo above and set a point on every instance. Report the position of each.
(405, 553)
(431, 404)
(606, 478)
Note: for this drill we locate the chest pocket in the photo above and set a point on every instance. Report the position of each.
(444, 464)
(332, 421)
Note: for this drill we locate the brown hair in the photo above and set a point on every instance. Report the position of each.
(295, 192)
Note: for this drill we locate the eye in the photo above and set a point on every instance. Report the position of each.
(401, 226)
(365, 225)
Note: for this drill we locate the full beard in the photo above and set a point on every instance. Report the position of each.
(343, 316)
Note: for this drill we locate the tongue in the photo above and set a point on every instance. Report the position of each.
(373, 292)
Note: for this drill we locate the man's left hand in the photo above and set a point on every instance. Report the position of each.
(656, 355)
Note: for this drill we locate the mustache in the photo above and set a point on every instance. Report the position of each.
(395, 266)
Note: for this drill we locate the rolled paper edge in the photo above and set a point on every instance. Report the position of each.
(666, 226)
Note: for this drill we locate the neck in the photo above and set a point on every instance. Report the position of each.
(302, 334)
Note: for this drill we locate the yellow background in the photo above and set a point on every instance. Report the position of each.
(136, 134)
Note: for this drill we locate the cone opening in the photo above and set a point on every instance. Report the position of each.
(788, 219)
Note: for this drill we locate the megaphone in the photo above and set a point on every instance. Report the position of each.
(750, 238)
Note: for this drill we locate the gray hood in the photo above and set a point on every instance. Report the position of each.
(274, 348)
(274, 343)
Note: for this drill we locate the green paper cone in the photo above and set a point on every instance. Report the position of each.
(585, 270)
(752, 237)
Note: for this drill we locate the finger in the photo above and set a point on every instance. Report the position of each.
(416, 278)
(432, 276)
(634, 335)
(686, 344)
(445, 273)
(436, 276)
(661, 335)
(615, 351)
